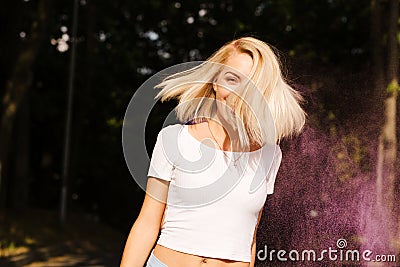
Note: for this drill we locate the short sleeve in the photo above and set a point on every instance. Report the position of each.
(271, 177)
(161, 163)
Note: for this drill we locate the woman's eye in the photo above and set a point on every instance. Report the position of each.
(232, 80)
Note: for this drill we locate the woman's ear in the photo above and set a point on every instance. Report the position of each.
(214, 83)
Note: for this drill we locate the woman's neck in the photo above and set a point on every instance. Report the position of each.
(225, 134)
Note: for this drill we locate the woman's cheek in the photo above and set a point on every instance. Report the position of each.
(223, 92)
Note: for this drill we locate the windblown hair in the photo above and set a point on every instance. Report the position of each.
(194, 88)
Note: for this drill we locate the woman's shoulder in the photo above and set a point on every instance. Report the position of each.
(197, 126)
(275, 150)
(278, 149)
(171, 129)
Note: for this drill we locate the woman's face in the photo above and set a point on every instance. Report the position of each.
(231, 77)
(236, 71)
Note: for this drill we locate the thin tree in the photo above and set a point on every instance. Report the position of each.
(67, 141)
(387, 147)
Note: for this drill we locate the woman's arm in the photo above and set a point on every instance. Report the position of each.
(253, 246)
(145, 230)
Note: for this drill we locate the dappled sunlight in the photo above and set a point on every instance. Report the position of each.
(34, 238)
(66, 261)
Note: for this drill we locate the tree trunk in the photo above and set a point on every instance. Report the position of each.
(379, 221)
(378, 81)
(21, 174)
(387, 148)
(16, 87)
(81, 100)
(389, 129)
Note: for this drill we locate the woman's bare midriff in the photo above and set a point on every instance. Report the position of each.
(173, 258)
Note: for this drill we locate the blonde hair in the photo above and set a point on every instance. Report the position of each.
(194, 86)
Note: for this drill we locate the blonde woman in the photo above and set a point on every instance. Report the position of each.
(209, 177)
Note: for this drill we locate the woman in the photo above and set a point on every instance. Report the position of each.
(209, 178)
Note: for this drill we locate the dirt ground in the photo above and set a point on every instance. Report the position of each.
(35, 238)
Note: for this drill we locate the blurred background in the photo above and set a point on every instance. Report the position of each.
(338, 179)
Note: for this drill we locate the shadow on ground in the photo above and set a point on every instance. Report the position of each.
(34, 238)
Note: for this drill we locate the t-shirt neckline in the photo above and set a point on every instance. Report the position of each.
(186, 131)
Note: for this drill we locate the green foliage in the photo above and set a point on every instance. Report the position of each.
(357, 150)
(393, 87)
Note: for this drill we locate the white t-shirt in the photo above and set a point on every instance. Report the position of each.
(212, 205)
